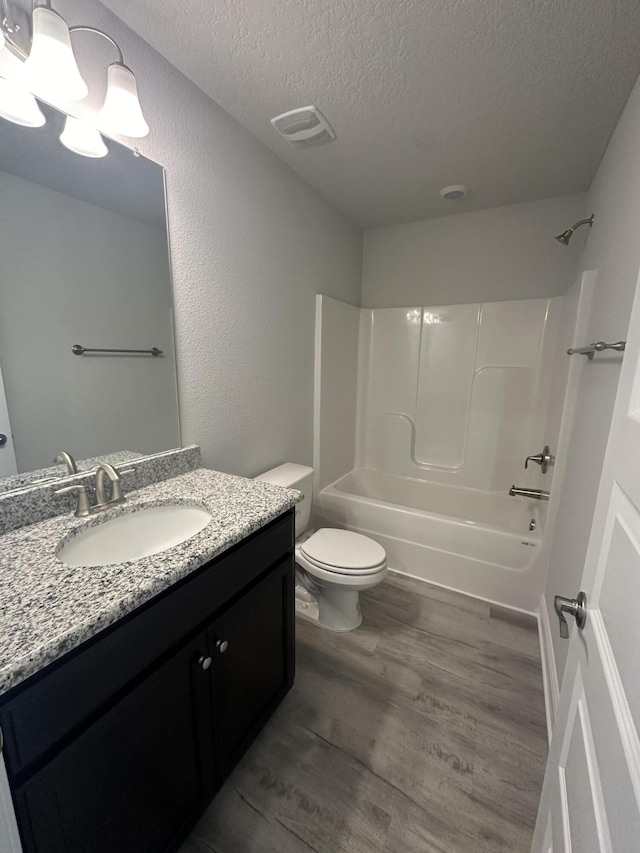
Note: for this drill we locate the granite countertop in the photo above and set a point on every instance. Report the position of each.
(48, 608)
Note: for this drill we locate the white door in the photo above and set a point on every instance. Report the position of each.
(591, 793)
(7, 455)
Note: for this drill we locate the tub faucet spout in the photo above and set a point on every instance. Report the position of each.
(537, 494)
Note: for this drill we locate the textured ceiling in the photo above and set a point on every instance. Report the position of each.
(516, 98)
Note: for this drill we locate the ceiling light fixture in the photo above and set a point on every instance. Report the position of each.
(454, 192)
(48, 69)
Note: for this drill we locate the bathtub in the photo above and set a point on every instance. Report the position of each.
(468, 540)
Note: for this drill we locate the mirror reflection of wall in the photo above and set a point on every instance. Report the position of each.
(84, 260)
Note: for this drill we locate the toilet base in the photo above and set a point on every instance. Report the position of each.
(336, 610)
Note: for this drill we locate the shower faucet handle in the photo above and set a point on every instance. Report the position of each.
(545, 460)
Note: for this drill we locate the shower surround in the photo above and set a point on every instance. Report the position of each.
(455, 394)
(420, 436)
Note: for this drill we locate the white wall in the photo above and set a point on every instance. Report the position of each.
(485, 256)
(76, 273)
(251, 244)
(613, 250)
(336, 366)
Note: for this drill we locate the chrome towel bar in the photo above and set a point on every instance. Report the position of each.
(599, 347)
(77, 349)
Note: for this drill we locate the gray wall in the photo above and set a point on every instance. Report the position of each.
(613, 249)
(251, 243)
(76, 273)
(486, 256)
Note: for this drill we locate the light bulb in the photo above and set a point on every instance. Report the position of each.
(81, 138)
(51, 69)
(122, 113)
(18, 105)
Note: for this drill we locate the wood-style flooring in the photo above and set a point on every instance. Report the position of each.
(424, 730)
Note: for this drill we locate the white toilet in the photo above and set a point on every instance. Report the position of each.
(332, 566)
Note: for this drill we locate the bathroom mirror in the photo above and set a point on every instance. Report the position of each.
(84, 260)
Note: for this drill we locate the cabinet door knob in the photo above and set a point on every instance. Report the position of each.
(222, 646)
(205, 662)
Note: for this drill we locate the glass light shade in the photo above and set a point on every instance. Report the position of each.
(51, 69)
(81, 138)
(18, 105)
(122, 112)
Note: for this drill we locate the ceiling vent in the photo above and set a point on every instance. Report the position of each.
(304, 128)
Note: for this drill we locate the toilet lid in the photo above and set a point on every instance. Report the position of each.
(343, 550)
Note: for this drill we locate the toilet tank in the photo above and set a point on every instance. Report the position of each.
(293, 476)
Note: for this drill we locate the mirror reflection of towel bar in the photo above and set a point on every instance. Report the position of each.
(78, 349)
(599, 347)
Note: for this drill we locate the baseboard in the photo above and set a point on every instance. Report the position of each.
(549, 670)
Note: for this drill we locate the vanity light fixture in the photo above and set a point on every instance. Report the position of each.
(49, 70)
(122, 112)
(18, 105)
(81, 138)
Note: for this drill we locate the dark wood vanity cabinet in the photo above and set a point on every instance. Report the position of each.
(134, 780)
(252, 647)
(131, 769)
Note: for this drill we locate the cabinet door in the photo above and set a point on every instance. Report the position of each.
(136, 779)
(252, 644)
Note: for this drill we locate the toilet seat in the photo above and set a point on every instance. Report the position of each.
(343, 552)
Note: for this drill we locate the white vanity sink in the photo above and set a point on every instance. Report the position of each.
(134, 535)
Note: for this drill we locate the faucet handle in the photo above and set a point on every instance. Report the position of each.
(545, 460)
(538, 459)
(83, 507)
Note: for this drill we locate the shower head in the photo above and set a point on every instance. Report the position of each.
(568, 234)
(565, 237)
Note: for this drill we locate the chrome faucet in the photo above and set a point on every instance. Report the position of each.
(537, 494)
(84, 506)
(106, 471)
(64, 458)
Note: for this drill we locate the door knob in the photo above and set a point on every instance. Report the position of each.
(205, 662)
(576, 607)
(222, 646)
(3, 439)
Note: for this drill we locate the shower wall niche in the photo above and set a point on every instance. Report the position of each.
(456, 394)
